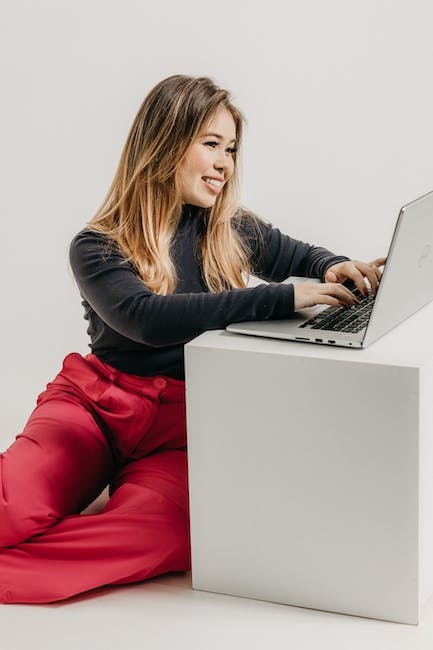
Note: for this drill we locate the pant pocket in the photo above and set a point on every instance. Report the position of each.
(125, 417)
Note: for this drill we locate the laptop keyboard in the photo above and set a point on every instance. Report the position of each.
(342, 319)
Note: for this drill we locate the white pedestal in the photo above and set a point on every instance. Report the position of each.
(311, 470)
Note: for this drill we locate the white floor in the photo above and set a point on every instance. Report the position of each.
(165, 613)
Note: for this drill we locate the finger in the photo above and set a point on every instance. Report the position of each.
(340, 292)
(378, 273)
(355, 274)
(307, 295)
(330, 276)
(372, 277)
(380, 261)
(325, 299)
(370, 273)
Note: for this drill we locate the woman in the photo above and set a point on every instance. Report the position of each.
(166, 257)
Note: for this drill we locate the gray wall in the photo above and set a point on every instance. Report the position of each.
(339, 103)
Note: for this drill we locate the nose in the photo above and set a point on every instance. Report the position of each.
(224, 163)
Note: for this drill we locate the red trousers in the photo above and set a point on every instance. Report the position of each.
(94, 426)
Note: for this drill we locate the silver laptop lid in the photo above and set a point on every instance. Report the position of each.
(407, 282)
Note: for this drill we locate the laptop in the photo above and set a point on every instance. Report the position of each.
(405, 287)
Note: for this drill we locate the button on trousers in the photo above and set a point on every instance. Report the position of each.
(94, 426)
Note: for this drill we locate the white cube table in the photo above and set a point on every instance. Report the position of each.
(311, 470)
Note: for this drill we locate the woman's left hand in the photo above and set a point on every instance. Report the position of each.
(357, 271)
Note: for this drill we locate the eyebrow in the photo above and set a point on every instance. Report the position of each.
(217, 135)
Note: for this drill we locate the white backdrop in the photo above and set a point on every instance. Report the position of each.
(339, 103)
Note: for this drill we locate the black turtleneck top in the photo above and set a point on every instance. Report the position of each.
(142, 333)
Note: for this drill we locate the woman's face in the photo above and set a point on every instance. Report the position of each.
(209, 162)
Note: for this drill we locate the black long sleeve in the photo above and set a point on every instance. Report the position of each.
(137, 331)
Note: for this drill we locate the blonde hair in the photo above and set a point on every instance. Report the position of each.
(143, 206)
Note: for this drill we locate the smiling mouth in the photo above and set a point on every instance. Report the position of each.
(212, 181)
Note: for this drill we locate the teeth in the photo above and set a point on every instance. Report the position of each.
(212, 181)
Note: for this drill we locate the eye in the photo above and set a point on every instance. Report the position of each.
(231, 150)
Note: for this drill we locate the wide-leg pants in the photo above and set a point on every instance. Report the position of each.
(94, 426)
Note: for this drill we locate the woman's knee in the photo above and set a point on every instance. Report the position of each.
(55, 467)
(164, 473)
(18, 524)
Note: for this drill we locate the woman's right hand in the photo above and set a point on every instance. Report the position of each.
(309, 294)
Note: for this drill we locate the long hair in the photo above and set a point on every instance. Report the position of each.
(143, 206)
